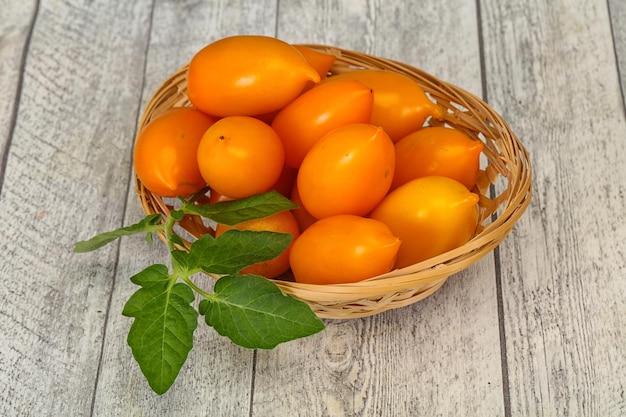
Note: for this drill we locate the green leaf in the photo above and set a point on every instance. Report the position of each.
(148, 225)
(237, 211)
(231, 251)
(254, 313)
(161, 335)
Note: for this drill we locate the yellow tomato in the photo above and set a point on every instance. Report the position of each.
(430, 215)
(247, 75)
(239, 156)
(165, 152)
(327, 106)
(400, 104)
(437, 151)
(321, 61)
(341, 249)
(348, 171)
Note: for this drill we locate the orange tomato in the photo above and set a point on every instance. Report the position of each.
(400, 104)
(348, 171)
(341, 249)
(437, 151)
(247, 75)
(321, 61)
(282, 222)
(164, 155)
(430, 215)
(239, 156)
(303, 217)
(325, 107)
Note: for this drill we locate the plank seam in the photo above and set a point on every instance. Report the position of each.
(506, 391)
(18, 95)
(124, 212)
(617, 66)
(252, 382)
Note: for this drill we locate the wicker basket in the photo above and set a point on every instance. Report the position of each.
(504, 186)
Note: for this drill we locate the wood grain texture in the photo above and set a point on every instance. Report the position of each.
(550, 68)
(617, 11)
(70, 142)
(16, 21)
(418, 360)
(217, 378)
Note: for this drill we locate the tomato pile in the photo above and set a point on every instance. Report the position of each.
(376, 186)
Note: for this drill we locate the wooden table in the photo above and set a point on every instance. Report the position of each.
(537, 328)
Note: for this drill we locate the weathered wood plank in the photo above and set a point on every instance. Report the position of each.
(217, 377)
(617, 10)
(421, 359)
(16, 21)
(551, 70)
(66, 177)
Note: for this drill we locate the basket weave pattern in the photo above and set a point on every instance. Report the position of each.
(508, 168)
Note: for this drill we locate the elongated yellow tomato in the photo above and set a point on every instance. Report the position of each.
(164, 156)
(321, 61)
(400, 104)
(247, 75)
(437, 151)
(327, 106)
(341, 249)
(430, 215)
(348, 171)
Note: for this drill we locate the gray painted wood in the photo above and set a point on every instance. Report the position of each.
(66, 178)
(15, 23)
(535, 329)
(617, 11)
(551, 70)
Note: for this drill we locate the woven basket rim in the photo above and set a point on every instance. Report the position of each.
(507, 159)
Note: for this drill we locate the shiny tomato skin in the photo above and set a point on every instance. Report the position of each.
(400, 105)
(239, 156)
(430, 215)
(343, 249)
(348, 171)
(329, 105)
(437, 151)
(247, 75)
(321, 61)
(164, 156)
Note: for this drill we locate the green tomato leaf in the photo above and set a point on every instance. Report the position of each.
(237, 211)
(148, 224)
(231, 251)
(254, 313)
(161, 335)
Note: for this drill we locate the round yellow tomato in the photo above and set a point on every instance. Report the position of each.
(247, 75)
(240, 156)
(348, 171)
(437, 151)
(282, 222)
(430, 215)
(327, 106)
(164, 156)
(341, 249)
(400, 104)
